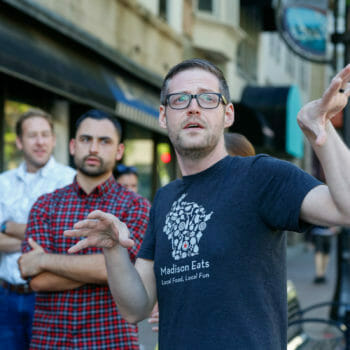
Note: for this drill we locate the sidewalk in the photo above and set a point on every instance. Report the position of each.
(148, 338)
(301, 270)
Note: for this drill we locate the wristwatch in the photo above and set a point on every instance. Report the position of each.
(3, 227)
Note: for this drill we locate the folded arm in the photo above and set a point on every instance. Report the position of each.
(11, 240)
(69, 269)
(15, 229)
(9, 244)
(50, 282)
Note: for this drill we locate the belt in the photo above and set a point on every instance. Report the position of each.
(17, 288)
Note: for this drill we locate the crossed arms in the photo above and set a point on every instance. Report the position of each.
(48, 263)
(11, 240)
(58, 272)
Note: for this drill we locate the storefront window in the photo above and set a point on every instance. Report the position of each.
(12, 156)
(139, 153)
(153, 157)
(164, 163)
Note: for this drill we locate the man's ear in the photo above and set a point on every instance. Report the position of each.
(120, 151)
(19, 143)
(72, 147)
(229, 115)
(162, 117)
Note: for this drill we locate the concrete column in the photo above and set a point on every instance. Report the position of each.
(60, 113)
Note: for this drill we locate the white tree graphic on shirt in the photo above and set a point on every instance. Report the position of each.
(184, 226)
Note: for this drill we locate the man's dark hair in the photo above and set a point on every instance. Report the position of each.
(99, 115)
(122, 169)
(31, 113)
(195, 63)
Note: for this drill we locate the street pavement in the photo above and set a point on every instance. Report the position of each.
(300, 270)
(148, 338)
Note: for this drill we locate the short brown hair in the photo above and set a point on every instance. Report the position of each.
(195, 63)
(238, 145)
(31, 113)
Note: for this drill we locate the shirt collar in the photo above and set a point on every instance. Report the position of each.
(98, 191)
(44, 171)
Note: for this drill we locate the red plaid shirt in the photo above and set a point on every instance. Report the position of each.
(86, 317)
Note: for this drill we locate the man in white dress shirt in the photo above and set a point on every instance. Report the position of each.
(39, 173)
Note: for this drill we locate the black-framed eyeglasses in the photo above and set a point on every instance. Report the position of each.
(206, 100)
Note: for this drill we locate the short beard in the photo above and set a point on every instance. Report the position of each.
(90, 173)
(196, 152)
(101, 170)
(193, 153)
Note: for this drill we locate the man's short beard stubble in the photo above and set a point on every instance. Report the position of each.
(94, 172)
(195, 152)
(33, 162)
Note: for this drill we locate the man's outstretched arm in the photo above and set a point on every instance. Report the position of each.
(133, 287)
(328, 205)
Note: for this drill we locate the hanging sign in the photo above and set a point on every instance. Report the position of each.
(303, 26)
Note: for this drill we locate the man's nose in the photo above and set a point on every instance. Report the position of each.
(193, 107)
(94, 146)
(40, 139)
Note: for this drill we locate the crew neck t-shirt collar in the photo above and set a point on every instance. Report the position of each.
(215, 168)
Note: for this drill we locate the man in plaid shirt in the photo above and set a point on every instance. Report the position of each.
(74, 307)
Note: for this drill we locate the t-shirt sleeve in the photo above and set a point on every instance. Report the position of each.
(281, 188)
(149, 242)
(39, 225)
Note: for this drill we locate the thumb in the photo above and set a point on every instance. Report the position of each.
(321, 137)
(123, 236)
(33, 244)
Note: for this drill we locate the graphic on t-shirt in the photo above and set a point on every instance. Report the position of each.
(184, 226)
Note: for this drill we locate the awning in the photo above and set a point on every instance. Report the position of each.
(253, 125)
(42, 58)
(279, 106)
(132, 103)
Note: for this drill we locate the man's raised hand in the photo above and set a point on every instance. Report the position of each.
(101, 230)
(315, 115)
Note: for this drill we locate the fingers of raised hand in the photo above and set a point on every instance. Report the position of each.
(100, 215)
(79, 246)
(340, 84)
(344, 74)
(86, 224)
(82, 228)
(123, 234)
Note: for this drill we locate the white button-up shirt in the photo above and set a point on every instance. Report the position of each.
(18, 192)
